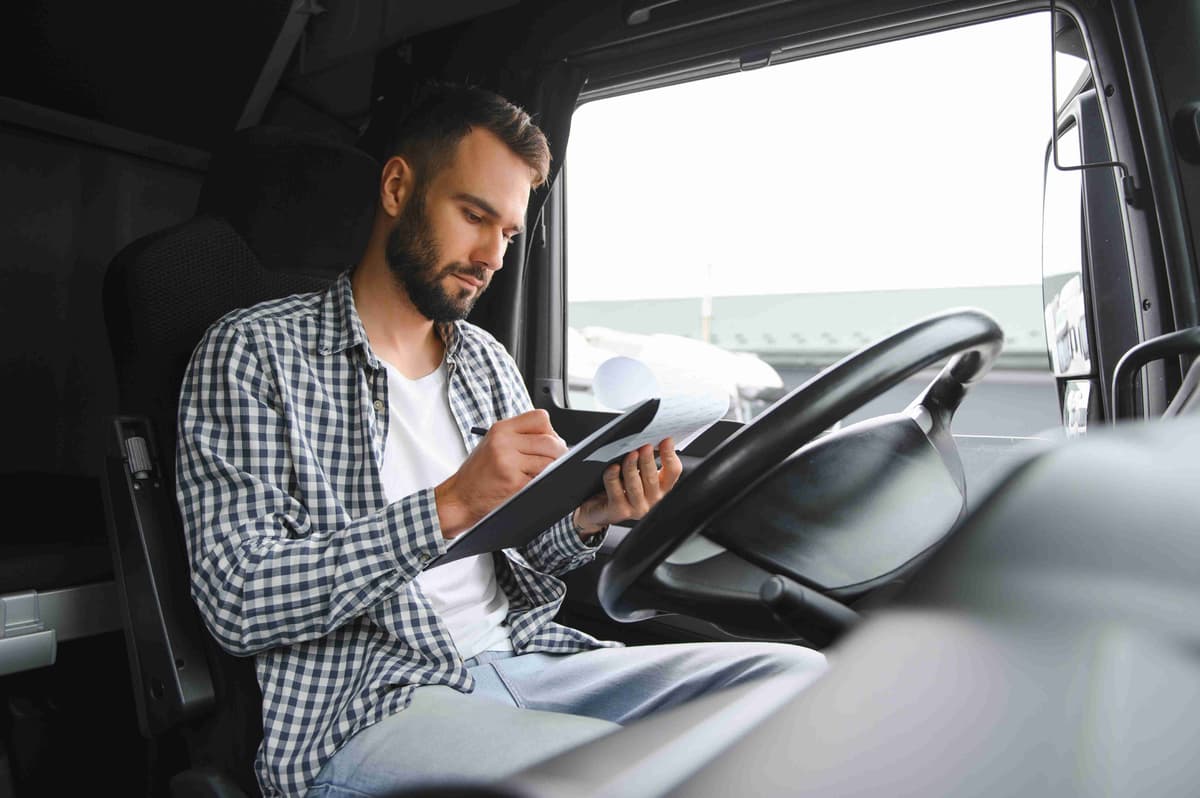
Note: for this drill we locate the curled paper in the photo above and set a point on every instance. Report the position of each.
(622, 382)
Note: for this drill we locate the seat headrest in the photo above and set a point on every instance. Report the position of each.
(303, 202)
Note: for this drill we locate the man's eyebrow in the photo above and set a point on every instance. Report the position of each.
(486, 207)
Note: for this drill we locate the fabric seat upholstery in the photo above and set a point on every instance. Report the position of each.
(280, 212)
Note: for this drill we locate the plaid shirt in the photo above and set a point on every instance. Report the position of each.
(296, 556)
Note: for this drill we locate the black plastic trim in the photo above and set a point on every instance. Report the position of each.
(172, 682)
(1159, 154)
(788, 31)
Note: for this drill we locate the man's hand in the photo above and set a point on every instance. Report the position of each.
(514, 451)
(631, 488)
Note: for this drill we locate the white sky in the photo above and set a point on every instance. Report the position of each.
(910, 164)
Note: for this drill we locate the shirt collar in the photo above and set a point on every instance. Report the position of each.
(342, 329)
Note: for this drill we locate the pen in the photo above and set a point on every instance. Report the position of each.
(479, 430)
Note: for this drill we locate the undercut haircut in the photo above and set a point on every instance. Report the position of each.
(440, 115)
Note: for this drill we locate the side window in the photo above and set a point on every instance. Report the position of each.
(743, 232)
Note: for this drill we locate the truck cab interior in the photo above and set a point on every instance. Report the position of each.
(973, 488)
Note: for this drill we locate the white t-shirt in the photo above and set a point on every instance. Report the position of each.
(424, 447)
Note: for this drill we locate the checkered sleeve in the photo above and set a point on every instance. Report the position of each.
(560, 548)
(267, 569)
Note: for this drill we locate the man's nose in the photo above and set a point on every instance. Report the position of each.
(489, 252)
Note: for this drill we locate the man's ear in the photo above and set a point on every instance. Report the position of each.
(396, 185)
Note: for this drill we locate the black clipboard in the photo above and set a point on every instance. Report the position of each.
(558, 490)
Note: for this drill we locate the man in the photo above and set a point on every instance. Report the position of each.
(326, 456)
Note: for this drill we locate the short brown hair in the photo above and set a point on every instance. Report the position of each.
(440, 115)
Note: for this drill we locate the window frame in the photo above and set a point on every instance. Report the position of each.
(548, 375)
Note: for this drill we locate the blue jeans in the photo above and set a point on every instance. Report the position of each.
(530, 707)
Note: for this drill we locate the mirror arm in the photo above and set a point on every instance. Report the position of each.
(1134, 195)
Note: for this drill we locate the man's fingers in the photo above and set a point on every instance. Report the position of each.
(672, 467)
(542, 445)
(531, 421)
(649, 474)
(632, 481)
(532, 464)
(618, 503)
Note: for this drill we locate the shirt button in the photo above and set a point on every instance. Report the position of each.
(424, 558)
(379, 405)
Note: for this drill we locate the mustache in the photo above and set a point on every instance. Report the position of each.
(476, 272)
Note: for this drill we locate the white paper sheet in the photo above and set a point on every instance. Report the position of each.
(681, 416)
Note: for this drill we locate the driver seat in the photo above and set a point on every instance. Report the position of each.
(280, 212)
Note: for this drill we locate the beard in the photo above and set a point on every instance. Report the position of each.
(412, 256)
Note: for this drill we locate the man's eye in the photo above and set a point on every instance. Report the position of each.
(473, 218)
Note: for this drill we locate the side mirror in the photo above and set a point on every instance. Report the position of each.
(1087, 261)
(1087, 266)
(1068, 336)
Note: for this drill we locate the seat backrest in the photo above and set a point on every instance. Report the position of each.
(280, 212)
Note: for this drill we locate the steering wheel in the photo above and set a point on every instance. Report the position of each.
(639, 582)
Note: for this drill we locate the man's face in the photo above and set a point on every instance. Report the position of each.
(451, 235)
